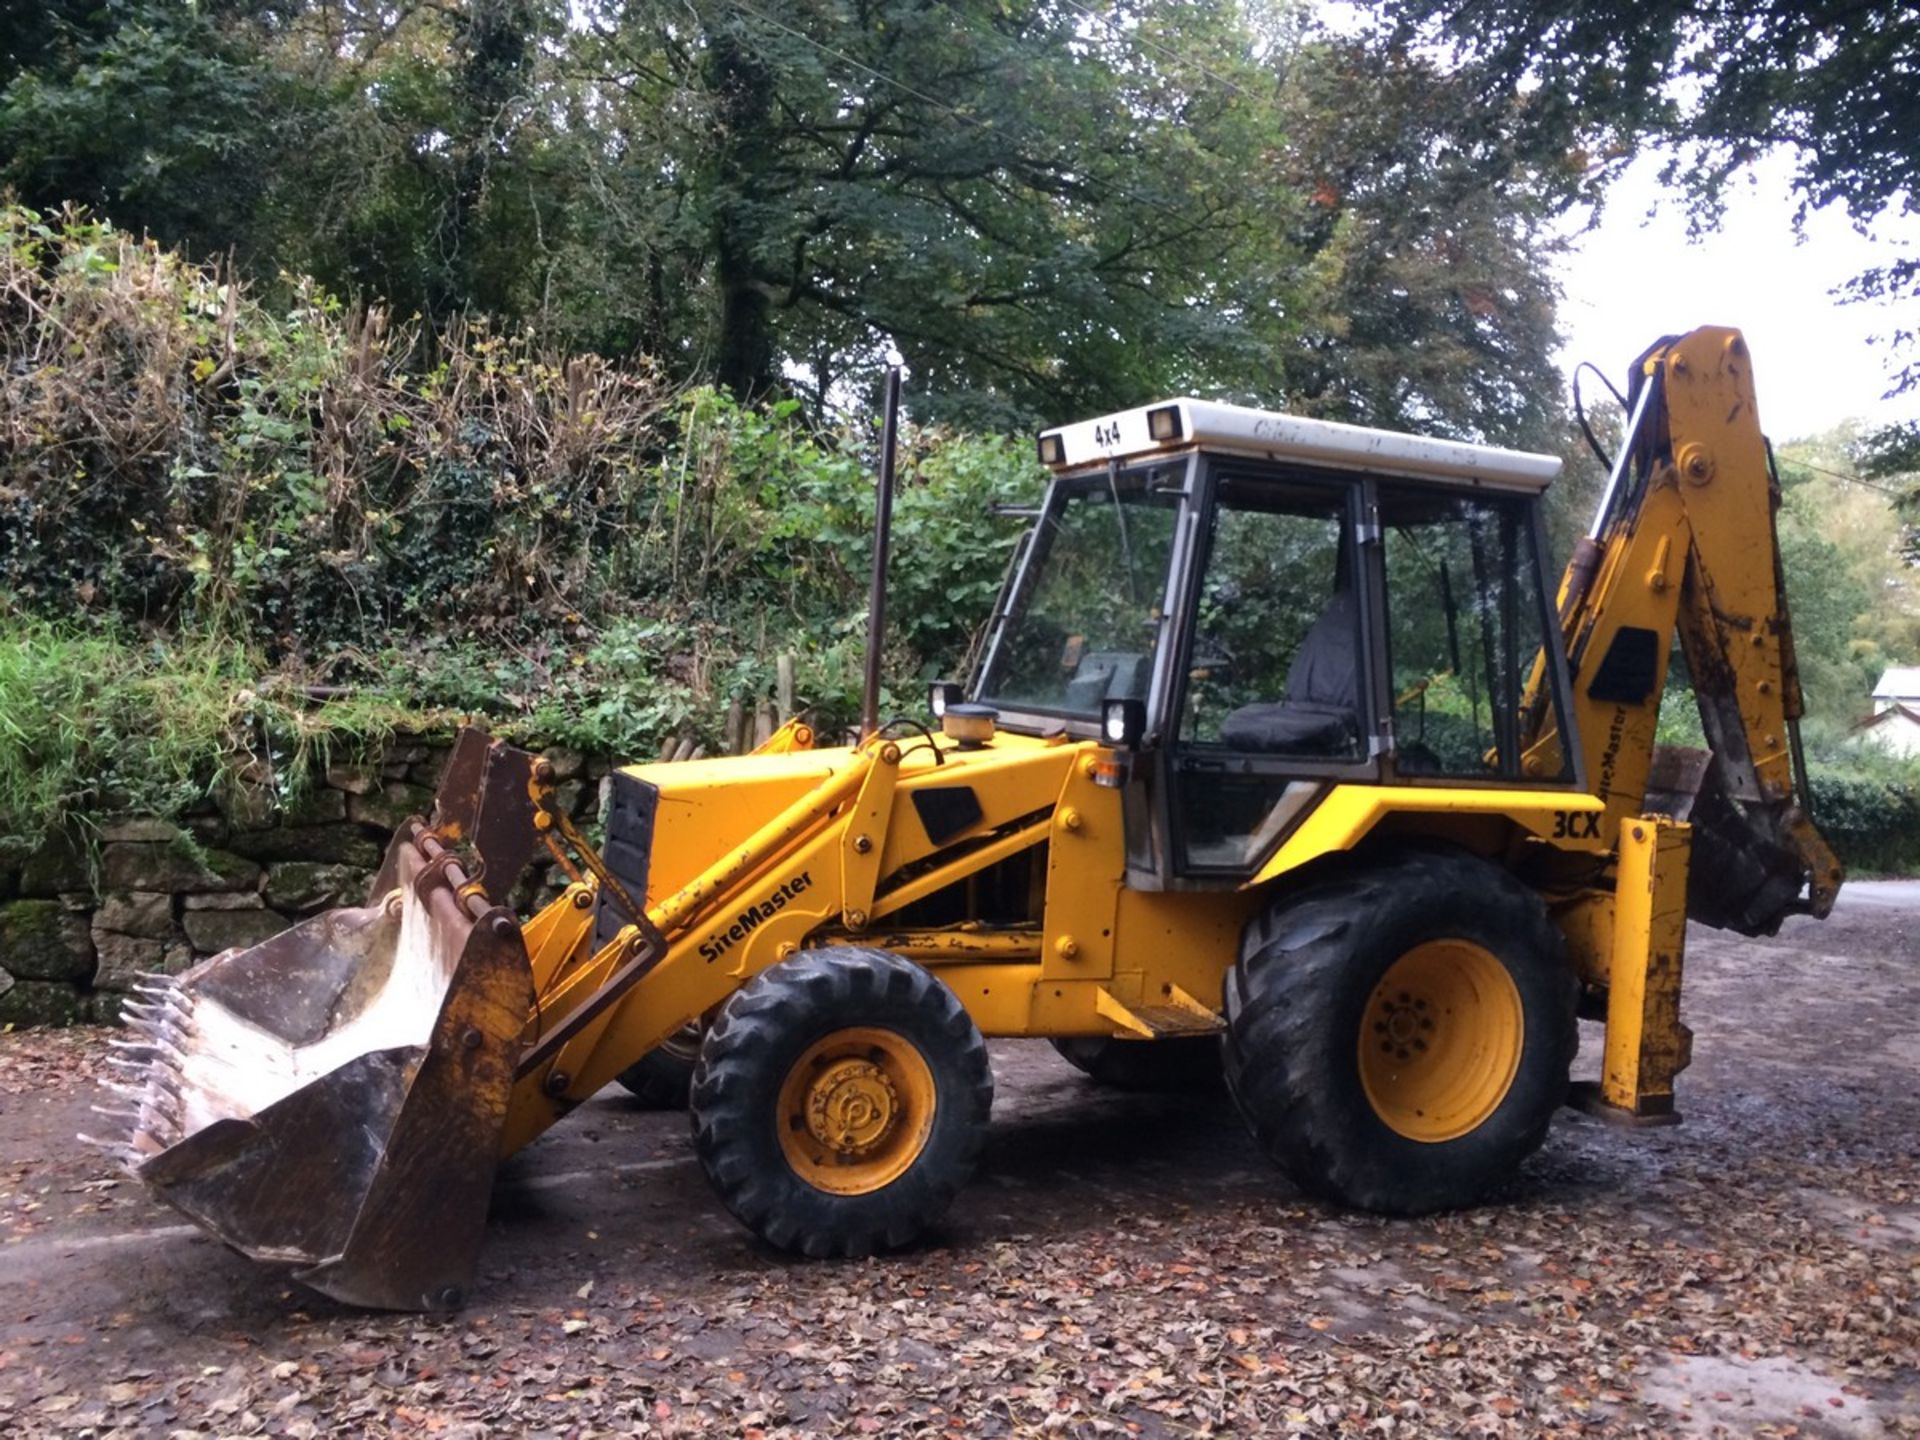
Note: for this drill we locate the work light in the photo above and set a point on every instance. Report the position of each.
(941, 694)
(971, 725)
(1123, 722)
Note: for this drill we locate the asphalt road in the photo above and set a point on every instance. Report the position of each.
(1123, 1264)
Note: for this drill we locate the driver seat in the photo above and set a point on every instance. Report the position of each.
(1320, 715)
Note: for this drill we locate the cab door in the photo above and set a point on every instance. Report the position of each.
(1271, 698)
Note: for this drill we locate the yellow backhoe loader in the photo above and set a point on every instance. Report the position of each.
(1281, 756)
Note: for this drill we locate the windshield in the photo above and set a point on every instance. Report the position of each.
(1086, 618)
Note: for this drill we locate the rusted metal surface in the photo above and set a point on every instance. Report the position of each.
(1747, 875)
(485, 807)
(333, 1098)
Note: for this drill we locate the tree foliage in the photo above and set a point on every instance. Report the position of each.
(1049, 208)
(1834, 82)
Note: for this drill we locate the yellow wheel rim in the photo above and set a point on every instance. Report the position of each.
(856, 1110)
(1440, 1040)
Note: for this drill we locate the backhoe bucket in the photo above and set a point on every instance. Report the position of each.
(1745, 876)
(334, 1098)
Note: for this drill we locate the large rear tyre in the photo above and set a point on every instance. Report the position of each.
(1399, 1036)
(1147, 1065)
(662, 1078)
(839, 1102)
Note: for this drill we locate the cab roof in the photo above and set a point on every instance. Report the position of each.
(1184, 424)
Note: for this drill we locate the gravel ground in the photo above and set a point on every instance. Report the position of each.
(1123, 1264)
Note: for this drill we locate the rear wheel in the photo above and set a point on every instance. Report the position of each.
(662, 1078)
(1189, 1063)
(1399, 1036)
(840, 1100)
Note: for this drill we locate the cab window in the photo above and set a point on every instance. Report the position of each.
(1274, 674)
(1086, 619)
(1466, 620)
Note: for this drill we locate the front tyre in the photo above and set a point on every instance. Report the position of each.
(662, 1078)
(1400, 1035)
(839, 1101)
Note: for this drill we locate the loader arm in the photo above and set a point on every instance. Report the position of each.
(1685, 542)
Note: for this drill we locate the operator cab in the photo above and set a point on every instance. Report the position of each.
(1287, 604)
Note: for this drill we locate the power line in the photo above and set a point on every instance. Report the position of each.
(1886, 490)
(882, 76)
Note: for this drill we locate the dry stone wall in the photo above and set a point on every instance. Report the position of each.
(82, 916)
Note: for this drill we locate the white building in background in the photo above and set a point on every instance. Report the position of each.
(1895, 722)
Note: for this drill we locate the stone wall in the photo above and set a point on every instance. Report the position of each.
(82, 915)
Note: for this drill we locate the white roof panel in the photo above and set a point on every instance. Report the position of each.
(1901, 682)
(1269, 434)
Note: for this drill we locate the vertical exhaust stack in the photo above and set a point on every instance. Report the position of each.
(882, 543)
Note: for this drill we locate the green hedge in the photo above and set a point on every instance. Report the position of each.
(1871, 816)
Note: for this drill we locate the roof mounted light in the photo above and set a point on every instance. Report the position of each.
(1053, 449)
(1163, 424)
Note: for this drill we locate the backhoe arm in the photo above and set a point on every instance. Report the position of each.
(1685, 541)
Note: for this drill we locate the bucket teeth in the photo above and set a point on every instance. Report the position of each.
(158, 1006)
(168, 1025)
(152, 1095)
(119, 1150)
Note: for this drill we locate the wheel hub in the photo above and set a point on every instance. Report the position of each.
(852, 1107)
(1441, 1040)
(1403, 1025)
(855, 1110)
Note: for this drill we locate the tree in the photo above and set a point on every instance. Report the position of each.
(1429, 301)
(1833, 80)
(1028, 201)
(1855, 595)
(1836, 82)
(1050, 208)
(149, 110)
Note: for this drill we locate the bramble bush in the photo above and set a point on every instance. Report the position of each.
(438, 523)
(208, 507)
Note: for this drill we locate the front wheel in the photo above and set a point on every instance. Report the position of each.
(840, 1101)
(662, 1078)
(1400, 1035)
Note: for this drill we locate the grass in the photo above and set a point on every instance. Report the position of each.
(94, 722)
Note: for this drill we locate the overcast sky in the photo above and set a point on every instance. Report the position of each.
(1633, 280)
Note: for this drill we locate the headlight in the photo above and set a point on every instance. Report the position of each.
(941, 694)
(1164, 424)
(1123, 722)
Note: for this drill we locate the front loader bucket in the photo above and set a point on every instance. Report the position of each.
(334, 1098)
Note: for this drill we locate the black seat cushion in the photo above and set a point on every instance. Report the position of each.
(1320, 714)
(1290, 727)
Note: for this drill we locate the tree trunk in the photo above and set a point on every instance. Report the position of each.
(743, 87)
